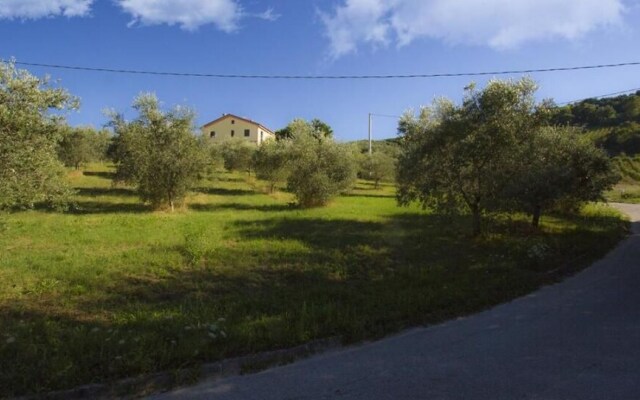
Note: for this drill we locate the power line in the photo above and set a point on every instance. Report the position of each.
(599, 97)
(559, 104)
(309, 77)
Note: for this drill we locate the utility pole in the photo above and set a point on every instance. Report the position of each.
(371, 115)
(370, 126)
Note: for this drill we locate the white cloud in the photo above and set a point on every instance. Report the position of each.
(190, 14)
(358, 21)
(34, 9)
(267, 15)
(500, 24)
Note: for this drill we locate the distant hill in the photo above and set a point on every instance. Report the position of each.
(614, 123)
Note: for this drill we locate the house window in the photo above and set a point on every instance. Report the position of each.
(261, 136)
(233, 121)
(233, 133)
(247, 133)
(212, 134)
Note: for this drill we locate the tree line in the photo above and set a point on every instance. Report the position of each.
(498, 150)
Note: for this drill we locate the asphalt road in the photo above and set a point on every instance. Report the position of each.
(579, 339)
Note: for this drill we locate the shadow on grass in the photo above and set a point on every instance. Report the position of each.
(100, 207)
(259, 307)
(101, 174)
(317, 232)
(225, 192)
(357, 279)
(242, 207)
(376, 196)
(370, 185)
(110, 191)
(588, 221)
(369, 249)
(228, 179)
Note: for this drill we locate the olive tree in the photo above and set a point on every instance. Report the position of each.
(236, 154)
(321, 130)
(316, 128)
(271, 162)
(320, 169)
(377, 167)
(458, 157)
(30, 171)
(558, 166)
(100, 141)
(81, 145)
(157, 152)
(212, 154)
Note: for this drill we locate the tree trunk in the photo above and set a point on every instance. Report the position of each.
(535, 220)
(475, 213)
(377, 184)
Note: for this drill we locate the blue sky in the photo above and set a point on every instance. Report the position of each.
(327, 37)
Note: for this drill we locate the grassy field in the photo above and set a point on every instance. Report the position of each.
(112, 289)
(625, 192)
(628, 190)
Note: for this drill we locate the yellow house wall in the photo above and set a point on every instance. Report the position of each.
(224, 127)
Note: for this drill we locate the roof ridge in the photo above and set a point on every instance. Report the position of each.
(228, 115)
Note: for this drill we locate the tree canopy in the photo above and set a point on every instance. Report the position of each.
(236, 154)
(558, 166)
(272, 162)
(316, 128)
(459, 156)
(157, 152)
(30, 171)
(320, 169)
(496, 151)
(377, 167)
(81, 145)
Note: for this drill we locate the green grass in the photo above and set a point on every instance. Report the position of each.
(112, 289)
(628, 190)
(625, 193)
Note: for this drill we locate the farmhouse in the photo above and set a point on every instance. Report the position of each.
(231, 126)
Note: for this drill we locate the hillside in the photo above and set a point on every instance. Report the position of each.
(613, 122)
(628, 190)
(629, 168)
